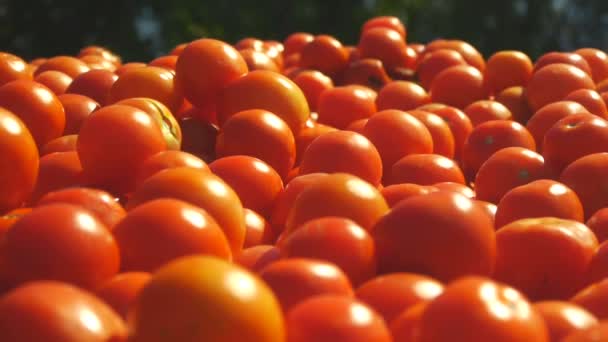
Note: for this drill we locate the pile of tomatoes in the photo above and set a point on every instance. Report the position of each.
(305, 191)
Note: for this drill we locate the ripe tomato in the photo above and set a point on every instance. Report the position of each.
(335, 318)
(167, 160)
(587, 177)
(389, 22)
(260, 134)
(487, 110)
(327, 238)
(457, 121)
(203, 298)
(54, 311)
(313, 83)
(458, 86)
(405, 327)
(397, 134)
(368, 72)
(358, 156)
(433, 63)
(13, 68)
(598, 223)
(544, 118)
(77, 108)
(340, 106)
(486, 311)
(102, 139)
(338, 194)
(99, 203)
(258, 60)
(120, 292)
(594, 298)
(391, 294)
(64, 143)
(161, 230)
(563, 318)
(384, 44)
(168, 62)
(574, 137)
(514, 98)
(70, 66)
(598, 62)
(402, 95)
(468, 52)
(56, 81)
(98, 63)
(325, 54)
(554, 82)
(555, 57)
(259, 231)
(540, 198)
(296, 41)
(217, 61)
(128, 66)
(507, 69)
(506, 169)
(102, 52)
(591, 100)
(57, 171)
(562, 249)
(257, 257)
(36, 106)
(95, 84)
(256, 183)
(395, 193)
(61, 242)
(202, 189)
(425, 169)
(441, 234)
(490, 137)
(309, 132)
(596, 332)
(18, 162)
(266, 90)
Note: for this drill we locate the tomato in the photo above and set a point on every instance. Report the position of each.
(57, 171)
(340, 106)
(95, 84)
(327, 238)
(260, 134)
(61, 242)
(313, 83)
(397, 134)
(217, 61)
(443, 138)
(121, 291)
(458, 188)
(249, 43)
(294, 280)
(56, 81)
(540, 198)
(258, 229)
(18, 162)
(554, 82)
(405, 327)
(587, 177)
(555, 57)
(597, 61)
(128, 66)
(544, 118)
(199, 188)
(402, 95)
(102, 52)
(54, 311)
(358, 156)
(12, 68)
(296, 41)
(389, 22)
(591, 100)
(77, 108)
(458, 122)
(514, 98)
(65, 143)
(563, 318)
(335, 318)
(36, 106)
(261, 89)
(593, 333)
(257, 257)
(507, 69)
(169, 159)
(458, 86)
(325, 54)
(68, 65)
(341, 195)
(486, 311)
(384, 44)
(487, 110)
(368, 72)
(98, 63)
(256, 183)
(545, 258)
(203, 298)
(468, 52)
(394, 293)
(309, 132)
(593, 298)
(433, 63)
(395, 193)
(598, 223)
(425, 169)
(168, 62)
(257, 60)
(506, 169)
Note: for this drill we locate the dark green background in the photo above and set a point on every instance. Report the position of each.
(46, 28)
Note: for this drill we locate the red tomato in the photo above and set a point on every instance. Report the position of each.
(390, 22)
(514, 98)
(563, 318)
(598, 62)
(598, 223)
(258, 229)
(68, 65)
(433, 63)
(325, 54)
(487, 110)
(56, 81)
(340, 106)
(64, 143)
(548, 115)
(57, 171)
(13, 68)
(591, 100)
(597, 332)
(95, 84)
(121, 291)
(587, 177)
(395, 193)
(77, 109)
(594, 298)
(425, 169)
(458, 86)
(167, 160)
(54, 311)
(458, 122)
(257, 257)
(554, 82)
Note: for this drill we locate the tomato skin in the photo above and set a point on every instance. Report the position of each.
(555, 57)
(121, 291)
(433, 63)
(257, 257)
(554, 82)
(36, 106)
(77, 109)
(313, 83)
(419, 234)
(334, 318)
(57, 171)
(507, 69)
(591, 100)
(586, 176)
(296, 41)
(95, 84)
(425, 169)
(61, 242)
(56, 81)
(598, 223)
(101, 143)
(514, 98)
(325, 54)
(384, 44)
(169, 159)
(486, 110)
(564, 318)
(18, 162)
(597, 332)
(390, 22)
(395, 193)
(458, 86)
(68, 65)
(544, 118)
(12, 68)
(53, 311)
(206, 293)
(340, 106)
(598, 62)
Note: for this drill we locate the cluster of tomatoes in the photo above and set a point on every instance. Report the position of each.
(305, 191)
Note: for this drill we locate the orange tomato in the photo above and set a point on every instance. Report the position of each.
(443, 138)
(210, 294)
(425, 169)
(325, 54)
(257, 257)
(458, 86)
(56, 81)
(598, 62)
(390, 22)
(77, 108)
(95, 84)
(544, 118)
(593, 298)
(120, 292)
(507, 69)
(487, 110)
(168, 62)
(591, 100)
(562, 249)
(433, 63)
(554, 82)
(555, 57)
(563, 318)
(514, 98)
(384, 44)
(340, 106)
(313, 83)
(57, 171)
(305, 137)
(401, 95)
(395, 193)
(419, 235)
(13, 68)
(598, 223)
(595, 332)
(457, 121)
(586, 176)
(367, 72)
(468, 52)
(259, 231)
(296, 41)
(70, 66)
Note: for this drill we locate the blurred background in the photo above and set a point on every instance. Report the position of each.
(141, 30)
